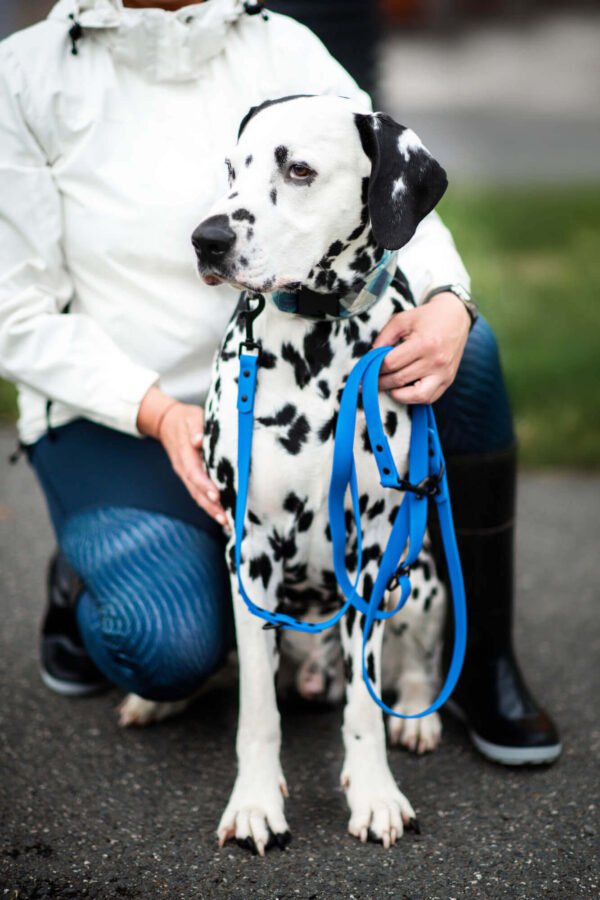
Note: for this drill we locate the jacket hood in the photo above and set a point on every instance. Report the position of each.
(161, 45)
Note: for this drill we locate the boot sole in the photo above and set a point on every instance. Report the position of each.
(505, 755)
(70, 688)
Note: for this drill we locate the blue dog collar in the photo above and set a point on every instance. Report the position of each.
(313, 305)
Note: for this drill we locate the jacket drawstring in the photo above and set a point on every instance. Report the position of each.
(75, 33)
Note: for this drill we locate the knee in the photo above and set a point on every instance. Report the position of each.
(160, 661)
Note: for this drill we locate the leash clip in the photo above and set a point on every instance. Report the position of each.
(394, 581)
(250, 315)
(428, 487)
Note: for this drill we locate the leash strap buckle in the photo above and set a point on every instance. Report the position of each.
(428, 487)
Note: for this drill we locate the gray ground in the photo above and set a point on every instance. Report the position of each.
(87, 810)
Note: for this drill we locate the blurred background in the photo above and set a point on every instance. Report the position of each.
(506, 94)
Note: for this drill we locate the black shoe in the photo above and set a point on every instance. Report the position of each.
(503, 720)
(65, 666)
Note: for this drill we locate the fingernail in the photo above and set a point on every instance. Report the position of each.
(212, 495)
(221, 520)
(198, 436)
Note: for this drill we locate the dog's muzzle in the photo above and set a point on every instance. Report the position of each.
(212, 240)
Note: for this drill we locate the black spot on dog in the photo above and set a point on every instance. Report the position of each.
(324, 389)
(243, 215)
(248, 160)
(212, 432)
(293, 503)
(249, 236)
(371, 666)
(377, 509)
(281, 155)
(367, 590)
(283, 417)
(301, 371)
(370, 554)
(261, 567)
(243, 262)
(317, 348)
(305, 521)
(348, 673)
(361, 263)
(273, 196)
(233, 196)
(335, 249)
(328, 429)
(391, 422)
(360, 348)
(428, 600)
(283, 547)
(350, 617)
(351, 558)
(267, 360)
(225, 476)
(297, 436)
(351, 330)
(252, 517)
(230, 170)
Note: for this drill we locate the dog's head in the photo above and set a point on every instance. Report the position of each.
(311, 182)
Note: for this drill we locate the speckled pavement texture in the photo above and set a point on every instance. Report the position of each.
(90, 811)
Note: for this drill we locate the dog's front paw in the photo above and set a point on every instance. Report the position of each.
(134, 710)
(379, 811)
(418, 735)
(254, 815)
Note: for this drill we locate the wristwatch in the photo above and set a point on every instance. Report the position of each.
(463, 295)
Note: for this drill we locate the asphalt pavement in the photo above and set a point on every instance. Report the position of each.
(90, 811)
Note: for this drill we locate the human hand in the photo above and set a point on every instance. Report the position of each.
(431, 340)
(180, 429)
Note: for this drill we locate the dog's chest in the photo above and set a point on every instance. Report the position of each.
(303, 368)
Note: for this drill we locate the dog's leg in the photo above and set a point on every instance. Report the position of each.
(378, 810)
(412, 651)
(254, 814)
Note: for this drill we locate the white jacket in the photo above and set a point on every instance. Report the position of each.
(108, 160)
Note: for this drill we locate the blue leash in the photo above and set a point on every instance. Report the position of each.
(426, 479)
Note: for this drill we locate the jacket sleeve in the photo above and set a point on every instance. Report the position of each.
(430, 259)
(67, 358)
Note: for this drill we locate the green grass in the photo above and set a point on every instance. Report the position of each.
(534, 256)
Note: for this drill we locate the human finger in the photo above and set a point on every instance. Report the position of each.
(399, 326)
(406, 376)
(426, 390)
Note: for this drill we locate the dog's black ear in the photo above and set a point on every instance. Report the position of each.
(406, 181)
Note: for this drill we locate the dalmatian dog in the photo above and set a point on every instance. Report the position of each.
(317, 194)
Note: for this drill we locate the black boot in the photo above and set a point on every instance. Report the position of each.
(504, 722)
(65, 666)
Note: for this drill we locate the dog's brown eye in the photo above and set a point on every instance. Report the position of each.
(297, 170)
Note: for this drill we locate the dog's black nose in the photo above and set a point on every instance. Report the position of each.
(212, 239)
